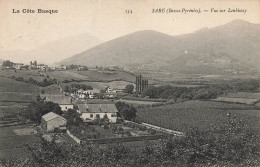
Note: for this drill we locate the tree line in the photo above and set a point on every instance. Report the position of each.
(44, 83)
(202, 92)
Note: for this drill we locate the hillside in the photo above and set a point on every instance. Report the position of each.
(227, 48)
(54, 51)
(143, 47)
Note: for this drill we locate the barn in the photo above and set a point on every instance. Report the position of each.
(50, 121)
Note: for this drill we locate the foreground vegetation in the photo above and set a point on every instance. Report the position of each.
(231, 144)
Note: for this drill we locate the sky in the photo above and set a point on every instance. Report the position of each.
(107, 19)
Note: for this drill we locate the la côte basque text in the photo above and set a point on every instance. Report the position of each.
(43, 11)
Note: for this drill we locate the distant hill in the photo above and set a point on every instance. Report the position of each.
(226, 48)
(54, 51)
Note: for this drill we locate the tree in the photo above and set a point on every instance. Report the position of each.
(129, 88)
(7, 63)
(39, 107)
(126, 111)
(66, 88)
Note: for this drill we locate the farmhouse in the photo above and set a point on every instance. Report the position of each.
(92, 111)
(91, 93)
(110, 95)
(18, 66)
(87, 94)
(51, 121)
(64, 102)
(108, 89)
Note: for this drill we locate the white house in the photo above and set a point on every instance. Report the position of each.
(18, 66)
(110, 95)
(91, 93)
(92, 111)
(87, 94)
(108, 89)
(65, 107)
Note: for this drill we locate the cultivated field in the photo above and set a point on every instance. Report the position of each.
(15, 145)
(14, 98)
(201, 114)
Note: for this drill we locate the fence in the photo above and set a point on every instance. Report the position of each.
(77, 140)
(169, 131)
(123, 139)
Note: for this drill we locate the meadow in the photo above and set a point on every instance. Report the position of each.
(66, 75)
(15, 91)
(240, 97)
(10, 85)
(26, 74)
(106, 75)
(236, 100)
(249, 95)
(93, 75)
(201, 114)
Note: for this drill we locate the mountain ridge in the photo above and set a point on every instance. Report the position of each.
(233, 45)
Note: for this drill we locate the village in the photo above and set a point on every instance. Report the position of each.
(89, 114)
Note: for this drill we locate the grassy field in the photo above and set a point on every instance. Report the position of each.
(94, 76)
(97, 76)
(240, 97)
(103, 75)
(236, 100)
(66, 75)
(10, 85)
(15, 91)
(247, 95)
(201, 114)
(102, 85)
(26, 74)
(52, 89)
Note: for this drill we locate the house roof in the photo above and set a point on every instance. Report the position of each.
(97, 108)
(51, 115)
(60, 99)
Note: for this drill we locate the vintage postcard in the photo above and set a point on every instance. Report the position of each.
(129, 83)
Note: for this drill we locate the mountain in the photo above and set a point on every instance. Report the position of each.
(226, 48)
(54, 51)
(136, 48)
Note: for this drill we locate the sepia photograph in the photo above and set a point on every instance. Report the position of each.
(129, 83)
